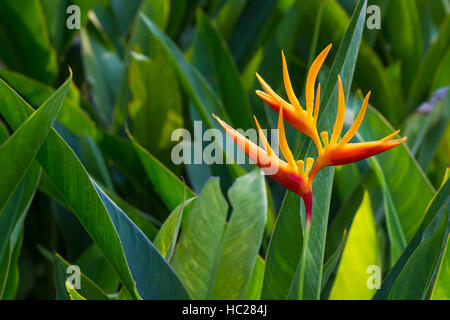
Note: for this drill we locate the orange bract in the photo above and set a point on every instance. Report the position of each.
(293, 174)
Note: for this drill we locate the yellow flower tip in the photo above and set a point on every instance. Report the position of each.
(301, 166)
(355, 126)
(282, 139)
(338, 125)
(312, 75)
(263, 138)
(389, 137)
(317, 105)
(288, 85)
(309, 164)
(324, 136)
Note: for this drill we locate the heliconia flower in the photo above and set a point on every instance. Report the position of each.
(293, 174)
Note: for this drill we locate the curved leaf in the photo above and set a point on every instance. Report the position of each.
(18, 152)
(136, 261)
(361, 251)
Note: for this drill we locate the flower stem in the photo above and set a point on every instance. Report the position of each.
(303, 259)
(308, 199)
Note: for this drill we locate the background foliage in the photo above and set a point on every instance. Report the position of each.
(87, 176)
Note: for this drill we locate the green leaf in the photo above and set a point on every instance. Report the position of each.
(156, 108)
(32, 134)
(11, 226)
(361, 251)
(88, 288)
(103, 69)
(215, 260)
(250, 28)
(169, 187)
(254, 287)
(71, 115)
(136, 261)
(330, 266)
(4, 134)
(242, 238)
(25, 40)
(167, 236)
(57, 17)
(228, 15)
(146, 223)
(97, 268)
(440, 199)
(284, 250)
(415, 279)
(441, 289)
(195, 257)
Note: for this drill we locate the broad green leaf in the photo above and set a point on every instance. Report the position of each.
(330, 266)
(32, 134)
(215, 259)
(242, 239)
(284, 250)
(143, 221)
(254, 287)
(195, 257)
(156, 108)
(158, 11)
(440, 199)
(361, 251)
(415, 279)
(441, 289)
(11, 226)
(170, 188)
(167, 236)
(122, 154)
(88, 288)
(71, 115)
(25, 40)
(122, 243)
